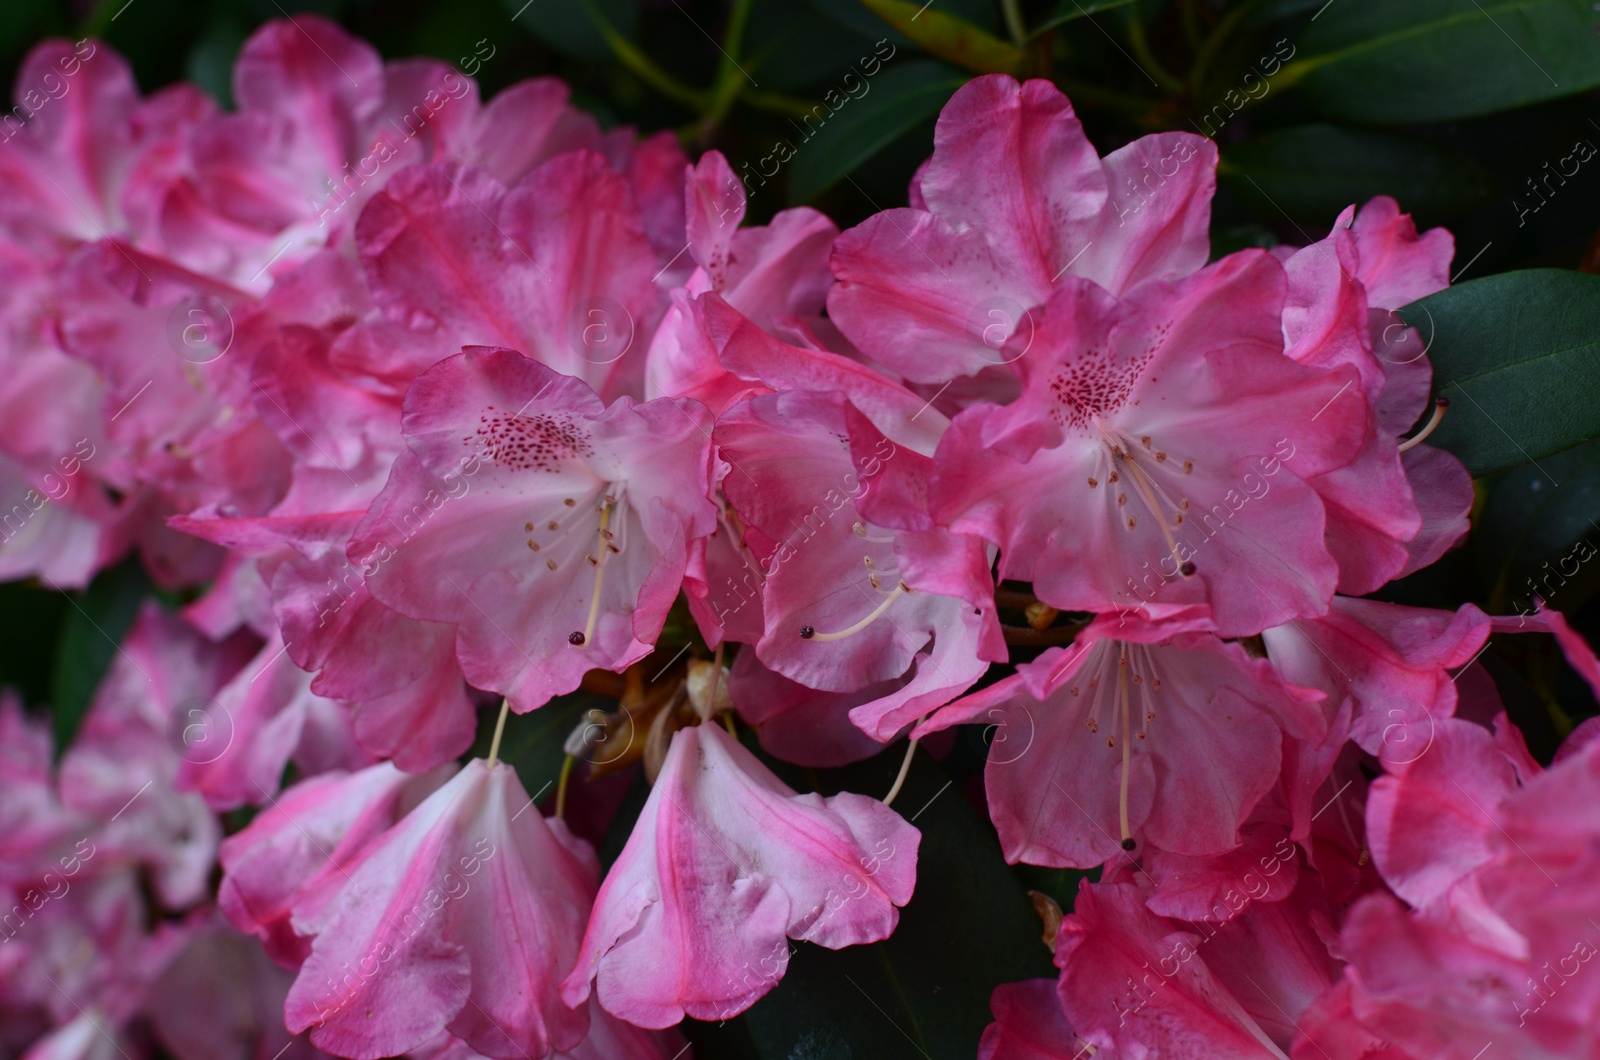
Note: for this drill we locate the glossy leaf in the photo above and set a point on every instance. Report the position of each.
(534, 742)
(96, 621)
(985, 14)
(1518, 355)
(574, 26)
(902, 95)
(790, 46)
(950, 38)
(1070, 10)
(1436, 60)
(1537, 533)
(1311, 172)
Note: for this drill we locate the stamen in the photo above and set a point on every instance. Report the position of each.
(1428, 428)
(1148, 491)
(851, 631)
(599, 577)
(1127, 750)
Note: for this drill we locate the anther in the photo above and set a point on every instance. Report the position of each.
(576, 638)
(1128, 844)
(806, 632)
(1188, 569)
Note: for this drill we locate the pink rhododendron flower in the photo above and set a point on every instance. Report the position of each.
(1139, 734)
(415, 941)
(409, 402)
(725, 865)
(776, 276)
(541, 510)
(1013, 202)
(294, 854)
(1160, 453)
(839, 615)
(1029, 1024)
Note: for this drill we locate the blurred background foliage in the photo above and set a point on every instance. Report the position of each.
(1476, 114)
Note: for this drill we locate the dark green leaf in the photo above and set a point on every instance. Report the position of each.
(952, 39)
(904, 94)
(793, 45)
(211, 59)
(1313, 171)
(1279, 10)
(570, 25)
(925, 990)
(1059, 884)
(1518, 355)
(24, 21)
(1068, 10)
(1435, 60)
(851, 13)
(534, 743)
(30, 624)
(97, 620)
(1537, 532)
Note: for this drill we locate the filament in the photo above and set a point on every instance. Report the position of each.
(1428, 428)
(601, 551)
(900, 778)
(1127, 750)
(499, 731)
(851, 631)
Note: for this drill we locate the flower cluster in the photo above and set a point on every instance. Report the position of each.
(423, 404)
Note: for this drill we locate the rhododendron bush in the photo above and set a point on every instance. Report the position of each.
(882, 555)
